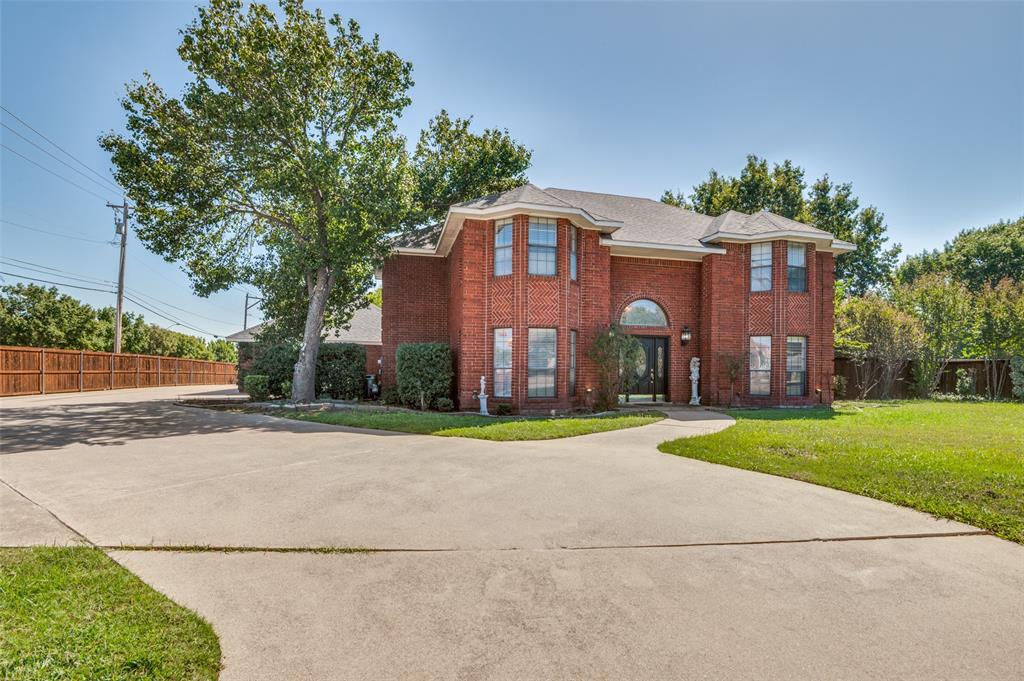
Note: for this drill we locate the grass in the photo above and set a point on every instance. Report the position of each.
(73, 613)
(962, 461)
(481, 427)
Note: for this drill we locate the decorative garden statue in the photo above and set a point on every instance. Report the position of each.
(483, 396)
(694, 381)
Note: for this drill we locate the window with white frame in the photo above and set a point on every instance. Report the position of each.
(796, 270)
(796, 366)
(760, 365)
(543, 246)
(541, 362)
(572, 363)
(573, 255)
(761, 267)
(503, 362)
(503, 248)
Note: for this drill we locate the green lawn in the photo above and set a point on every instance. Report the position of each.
(963, 461)
(72, 613)
(481, 427)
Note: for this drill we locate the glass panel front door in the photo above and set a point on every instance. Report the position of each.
(651, 370)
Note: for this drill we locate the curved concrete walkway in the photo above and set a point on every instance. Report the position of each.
(591, 557)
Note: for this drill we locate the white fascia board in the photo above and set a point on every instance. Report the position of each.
(542, 210)
(457, 215)
(643, 249)
(426, 252)
(824, 242)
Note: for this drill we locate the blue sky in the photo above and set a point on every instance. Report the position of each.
(920, 105)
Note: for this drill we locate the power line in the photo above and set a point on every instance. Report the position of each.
(104, 185)
(65, 151)
(55, 283)
(54, 271)
(172, 319)
(58, 175)
(46, 231)
(49, 271)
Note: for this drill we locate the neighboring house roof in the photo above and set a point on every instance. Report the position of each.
(631, 225)
(363, 329)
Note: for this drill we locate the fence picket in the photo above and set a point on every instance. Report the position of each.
(23, 371)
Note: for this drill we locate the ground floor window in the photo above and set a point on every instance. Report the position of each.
(572, 363)
(796, 366)
(541, 362)
(760, 365)
(503, 362)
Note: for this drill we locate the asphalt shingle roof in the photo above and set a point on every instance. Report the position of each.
(363, 328)
(643, 220)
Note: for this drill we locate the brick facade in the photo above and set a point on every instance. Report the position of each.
(458, 300)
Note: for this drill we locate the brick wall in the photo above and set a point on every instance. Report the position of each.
(415, 305)
(675, 286)
(458, 300)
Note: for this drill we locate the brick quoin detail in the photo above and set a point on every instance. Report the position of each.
(458, 300)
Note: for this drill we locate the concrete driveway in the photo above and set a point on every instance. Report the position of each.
(593, 557)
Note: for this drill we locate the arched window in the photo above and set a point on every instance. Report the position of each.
(643, 313)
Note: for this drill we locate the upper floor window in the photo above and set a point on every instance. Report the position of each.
(543, 246)
(761, 267)
(643, 313)
(572, 254)
(503, 248)
(796, 270)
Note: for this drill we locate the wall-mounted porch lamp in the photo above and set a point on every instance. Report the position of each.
(685, 336)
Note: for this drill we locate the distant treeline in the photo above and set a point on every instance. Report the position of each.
(43, 317)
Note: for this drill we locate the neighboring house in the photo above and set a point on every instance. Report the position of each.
(518, 284)
(363, 329)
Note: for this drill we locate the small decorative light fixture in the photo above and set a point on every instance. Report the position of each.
(685, 337)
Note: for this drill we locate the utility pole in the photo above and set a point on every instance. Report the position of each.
(248, 306)
(120, 227)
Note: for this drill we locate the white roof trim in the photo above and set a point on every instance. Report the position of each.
(824, 241)
(492, 212)
(428, 252)
(643, 249)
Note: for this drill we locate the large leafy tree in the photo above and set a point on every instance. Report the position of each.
(977, 257)
(281, 165)
(832, 207)
(37, 316)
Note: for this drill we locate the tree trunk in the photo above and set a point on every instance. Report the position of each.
(304, 378)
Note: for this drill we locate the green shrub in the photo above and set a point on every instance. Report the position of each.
(964, 382)
(276, 361)
(424, 373)
(286, 389)
(389, 395)
(444, 404)
(502, 409)
(1017, 376)
(340, 370)
(256, 386)
(839, 387)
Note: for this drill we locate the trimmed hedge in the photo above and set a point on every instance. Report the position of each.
(256, 387)
(341, 370)
(277, 362)
(423, 373)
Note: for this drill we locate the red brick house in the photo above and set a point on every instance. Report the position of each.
(518, 284)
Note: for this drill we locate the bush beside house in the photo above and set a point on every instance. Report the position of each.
(423, 373)
(339, 371)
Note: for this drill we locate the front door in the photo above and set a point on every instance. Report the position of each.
(651, 370)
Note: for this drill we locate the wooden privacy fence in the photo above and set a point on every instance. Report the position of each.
(903, 386)
(35, 371)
